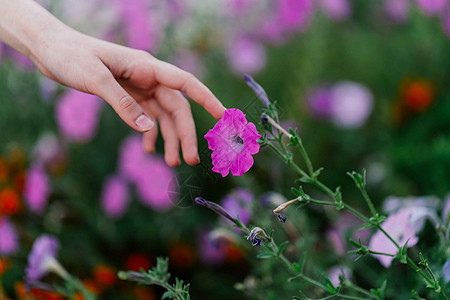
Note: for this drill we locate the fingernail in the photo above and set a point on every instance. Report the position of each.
(144, 123)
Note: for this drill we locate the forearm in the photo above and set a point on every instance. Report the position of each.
(23, 25)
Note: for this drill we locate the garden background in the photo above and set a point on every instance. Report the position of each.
(367, 83)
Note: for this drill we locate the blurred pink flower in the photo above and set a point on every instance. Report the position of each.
(115, 197)
(239, 7)
(401, 228)
(342, 229)
(37, 189)
(1, 51)
(212, 250)
(157, 186)
(339, 271)
(154, 180)
(336, 10)
(238, 204)
(295, 14)
(396, 10)
(50, 152)
(141, 29)
(246, 55)
(446, 24)
(21, 60)
(9, 240)
(188, 61)
(319, 101)
(132, 156)
(433, 7)
(233, 141)
(77, 115)
(352, 104)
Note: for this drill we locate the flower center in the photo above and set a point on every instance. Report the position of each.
(237, 139)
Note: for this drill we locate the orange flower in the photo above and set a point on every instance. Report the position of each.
(181, 255)
(9, 202)
(4, 265)
(78, 296)
(137, 261)
(105, 275)
(417, 95)
(233, 254)
(91, 286)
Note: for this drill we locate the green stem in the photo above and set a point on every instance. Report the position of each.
(356, 288)
(306, 157)
(368, 201)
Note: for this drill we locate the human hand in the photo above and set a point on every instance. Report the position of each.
(139, 87)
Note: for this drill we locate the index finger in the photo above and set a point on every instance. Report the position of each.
(175, 78)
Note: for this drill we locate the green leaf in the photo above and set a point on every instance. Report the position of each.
(329, 285)
(265, 255)
(281, 247)
(403, 253)
(338, 197)
(365, 225)
(168, 295)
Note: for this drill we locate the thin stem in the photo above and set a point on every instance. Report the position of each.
(306, 157)
(368, 201)
(353, 286)
(388, 236)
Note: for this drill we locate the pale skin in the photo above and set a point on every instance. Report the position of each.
(144, 91)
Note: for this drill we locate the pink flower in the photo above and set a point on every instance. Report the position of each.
(21, 60)
(115, 197)
(446, 24)
(212, 250)
(154, 180)
(157, 187)
(432, 7)
(141, 29)
(238, 205)
(233, 141)
(9, 241)
(77, 115)
(402, 228)
(351, 105)
(37, 189)
(396, 10)
(337, 10)
(295, 14)
(246, 55)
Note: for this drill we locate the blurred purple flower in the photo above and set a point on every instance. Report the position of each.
(77, 115)
(336, 272)
(396, 10)
(141, 29)
(336, 10)
(446, 24)
(342, 229)
(37, 189)
(259, 91)
(394, 203)
(1, 51)
(154, 180)
(246, 55)
(432, 7)
(238, 204)
(239, 7)
(319, 102)
(233, 141)
(273, 31)
(400, 227)
(50, 152)
(212, 250)
(188, 61)
(157, 185)
(115, 197)
(21, 60)
(295, 14)
(215, 208)
(42, 259)
(446, 271)
(175, 9)
(352, 104)
(9, 240)
(132, 157)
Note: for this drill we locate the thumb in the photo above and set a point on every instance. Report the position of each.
(125, 106)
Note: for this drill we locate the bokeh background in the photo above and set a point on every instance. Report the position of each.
(366, 82)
